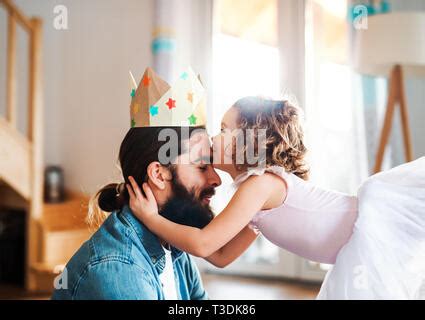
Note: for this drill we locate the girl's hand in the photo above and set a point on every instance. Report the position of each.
(142, 207)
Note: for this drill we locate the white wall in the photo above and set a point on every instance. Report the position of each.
(86, 82)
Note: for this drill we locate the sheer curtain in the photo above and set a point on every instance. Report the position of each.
(334, 117)
(182, 37)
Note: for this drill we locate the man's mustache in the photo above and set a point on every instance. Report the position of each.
(207, 193)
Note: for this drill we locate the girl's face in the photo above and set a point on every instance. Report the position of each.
(223, 142)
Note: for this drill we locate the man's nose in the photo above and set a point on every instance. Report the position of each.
(213, 138)
(214, 179)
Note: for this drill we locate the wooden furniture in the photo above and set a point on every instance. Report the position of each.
(63, 230)
(54, 231)
(396, 95)
(21, 165)
(392, 45)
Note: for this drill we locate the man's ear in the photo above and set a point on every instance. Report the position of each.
(158, 175)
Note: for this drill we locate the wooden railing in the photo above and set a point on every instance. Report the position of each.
(33, 27)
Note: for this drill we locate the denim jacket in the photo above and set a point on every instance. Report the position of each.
(123, 260)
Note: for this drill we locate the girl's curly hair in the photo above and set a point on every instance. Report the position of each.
(284, 133)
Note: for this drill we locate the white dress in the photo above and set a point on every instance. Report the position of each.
(376, 240)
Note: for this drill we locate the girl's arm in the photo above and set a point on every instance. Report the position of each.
(233, 249)
(250, 198)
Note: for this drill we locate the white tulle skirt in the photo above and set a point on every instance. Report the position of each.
(385, 257)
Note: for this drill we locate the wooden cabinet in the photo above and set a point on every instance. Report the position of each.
(62, 231)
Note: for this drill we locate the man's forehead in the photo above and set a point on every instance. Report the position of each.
(199, 136)
(198, 149)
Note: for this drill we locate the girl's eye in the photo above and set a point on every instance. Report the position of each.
(203, 168)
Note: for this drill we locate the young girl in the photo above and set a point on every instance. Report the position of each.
(376, 240)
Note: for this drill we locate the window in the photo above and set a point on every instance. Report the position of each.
(329, 98)
(245, 53)
(245, 62)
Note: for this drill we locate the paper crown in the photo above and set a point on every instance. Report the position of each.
(155, 104)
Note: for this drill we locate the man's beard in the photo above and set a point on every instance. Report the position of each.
(184, 207)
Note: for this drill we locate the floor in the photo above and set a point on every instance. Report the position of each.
(220, 287)
(226, 287)
(10, 292)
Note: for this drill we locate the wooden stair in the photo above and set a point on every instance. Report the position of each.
(21, 155)
(53, 231)
(15, 164)
(22, 168)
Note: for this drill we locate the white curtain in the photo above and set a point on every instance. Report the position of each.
(334, 118)
(182, 37)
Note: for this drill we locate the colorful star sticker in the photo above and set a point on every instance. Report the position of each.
(171, 103)
(133, 123)
(153, 110)
(190, 96)
(133, 93)
(184, 75)
(136, 108)
(146, 81)
(192, 119)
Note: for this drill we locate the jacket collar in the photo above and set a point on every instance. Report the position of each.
(149, 241)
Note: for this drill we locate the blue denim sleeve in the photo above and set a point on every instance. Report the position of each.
(197, 291)
(116, 280)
